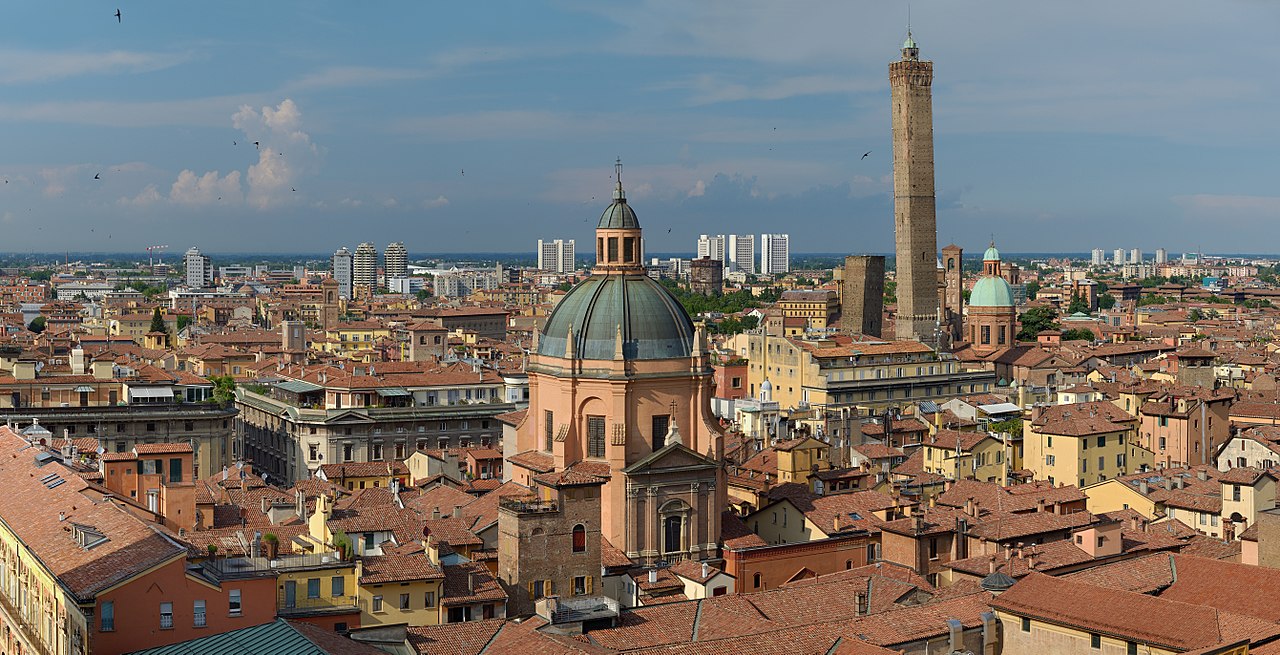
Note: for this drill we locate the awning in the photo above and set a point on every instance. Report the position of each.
(394, 393)
(84, 388)
(298, 386)
(999, 408)
(150, 392)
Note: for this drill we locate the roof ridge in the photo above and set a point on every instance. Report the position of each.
(697, 620)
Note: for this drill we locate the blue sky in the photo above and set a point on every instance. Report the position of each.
(483, 126)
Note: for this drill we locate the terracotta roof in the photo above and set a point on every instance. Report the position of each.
(364, 470)
(1144, 575)
(735, 534)
(467, 638)
(399, 564)
(577, 474)
(1112, 612)
(535, 461)
(162, 448)
(468, 583)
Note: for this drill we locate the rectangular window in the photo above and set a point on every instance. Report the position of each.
(233, 602)
(1235, 492)
(628, 249)
(175, 470)
(986, 334)
(166, 616)
(108, 612)
(377, 603)
(313, 451)
(613, 249)
(580, 585)
(198, 619)
(1161, 443)
(1026, 624)
(1164, 421)
(549, 419)
(661, 424)
(595, 436)
(348, 452)
(313, 587)
(1102, 463)
(404, 601)
(429, 599)
(1132, 648)
(1095, 640)
(377, 452)
(1102, 441)
(339, 586)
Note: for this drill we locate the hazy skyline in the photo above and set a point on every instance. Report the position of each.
(477, 127)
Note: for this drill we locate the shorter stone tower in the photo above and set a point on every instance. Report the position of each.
(953, 292)
(862, 296)
(549, 542)
(706, 276)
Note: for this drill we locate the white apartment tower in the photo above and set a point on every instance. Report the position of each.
(1135, 256)
(1162, 256)
(775, 253)
(395, 261)
(742, 253)
(199, 269)
(1117, 257)
(556, 256)
(364, 270)
(1099, 257)
(341, 267)
(711, 246)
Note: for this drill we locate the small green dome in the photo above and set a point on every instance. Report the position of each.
(991, 255)
(619, 215)
(909, 43)
(991, 291)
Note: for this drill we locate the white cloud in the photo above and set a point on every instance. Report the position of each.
(390, 203)
(148, 196)
(192, 189)
(23, 66)
(699, 189)
(285, 152)
(438, 201)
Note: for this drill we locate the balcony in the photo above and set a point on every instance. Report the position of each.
(313, 606)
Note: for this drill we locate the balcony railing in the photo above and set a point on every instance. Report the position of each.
(321, 605)
(248, 567)
(528, 505)
(572, 610)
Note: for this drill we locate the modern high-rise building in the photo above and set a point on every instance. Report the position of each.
(1099, 257)
(1162, 256)
(199, 269)
(775, 254)
(341, 267)
(712, 246)
(914, 204)
(1135, 256)
(742, 253)
(395, 261)
(1117, 257)
(556, 256)
(364, 270)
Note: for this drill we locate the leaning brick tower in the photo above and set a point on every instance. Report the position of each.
(915, 221)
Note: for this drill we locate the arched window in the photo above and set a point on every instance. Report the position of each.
(848, 564)
(755, 581)
(579, 538)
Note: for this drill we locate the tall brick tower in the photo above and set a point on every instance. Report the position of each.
(915, 222)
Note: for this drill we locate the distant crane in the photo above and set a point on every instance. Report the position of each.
(152, 253)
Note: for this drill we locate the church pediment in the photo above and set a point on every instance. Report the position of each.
(669, 458)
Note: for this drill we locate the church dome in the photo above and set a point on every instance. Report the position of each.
(991, 255)
(991, 291)
(653, 323)
(619, 215)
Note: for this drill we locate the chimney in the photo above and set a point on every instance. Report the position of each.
(991, 565)
(1040, 505)
(1202, 474)
(1178, 482)
(1143, 488)
(1134, 523)
(955, 632)
(62, 516)
(862, 606)
(435, 512)
(968, 506)
(706, 570)
(835, 527)
(1008, 551)
(1168, 484)
(457, 511)
(653, 576)
(471, 582)
(266, 505)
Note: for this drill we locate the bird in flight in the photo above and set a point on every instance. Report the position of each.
(668, 230)
(118, 19)
(256, 144)
(97, 176)
(233, 142)
(864, 155)
(295, 189)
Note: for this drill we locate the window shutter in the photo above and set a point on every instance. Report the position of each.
(588, 585)
(531, 594)
(549, 588)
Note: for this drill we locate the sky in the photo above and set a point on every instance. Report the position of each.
(484, 126)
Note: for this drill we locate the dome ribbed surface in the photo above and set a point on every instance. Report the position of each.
(654, 324)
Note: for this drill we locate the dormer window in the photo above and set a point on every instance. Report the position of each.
(87, 536)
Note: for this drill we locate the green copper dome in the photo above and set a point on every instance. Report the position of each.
(991, 292)
(653, 324)
(619, 215)
(909, 43)
(991, 255)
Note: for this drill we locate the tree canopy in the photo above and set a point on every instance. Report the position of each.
(157, 322)
(1037, 320)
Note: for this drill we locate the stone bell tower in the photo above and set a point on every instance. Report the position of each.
(915, 221)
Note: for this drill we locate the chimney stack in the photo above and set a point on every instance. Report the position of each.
(653, 576)
(706, 570)
(457, 511)
(435, 512)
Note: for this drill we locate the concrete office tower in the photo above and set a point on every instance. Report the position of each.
(742, 253)
(556, 256)
(775, 253)
(1162, 256)
(1099, 257)
(395, 261)
(915, 219)
(199, 269)
(711, 246)
(364, 270)
(1117, 257)
(341, 267)
(862, 307)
